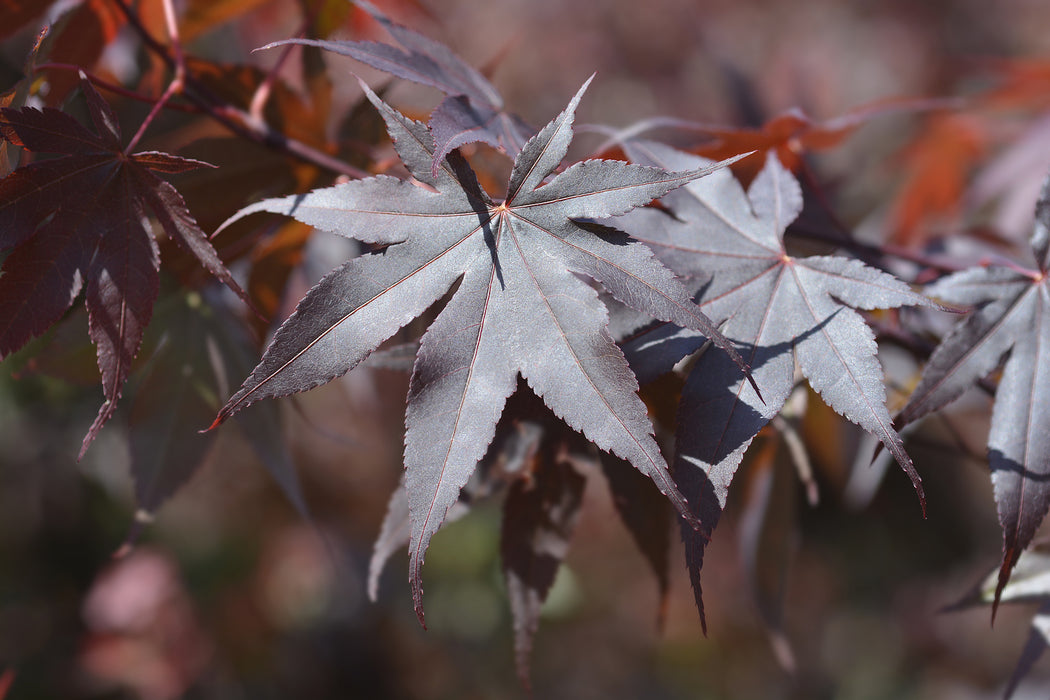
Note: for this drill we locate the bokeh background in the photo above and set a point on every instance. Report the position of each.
(232, 593)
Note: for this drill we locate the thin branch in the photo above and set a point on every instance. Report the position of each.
(117, 89)
(173, 87)
(882, 251)
(177, 83)
(262, 93)
(237, 120)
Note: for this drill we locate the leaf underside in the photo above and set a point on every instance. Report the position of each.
(520, 308)
(785, 312)
(1012, 319)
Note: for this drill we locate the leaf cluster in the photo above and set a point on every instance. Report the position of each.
(545, 317)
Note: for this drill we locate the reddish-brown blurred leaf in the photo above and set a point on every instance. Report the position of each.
(1024, 84)
(7, 679)
(204, 15)
(79, 221)
(273, 261)
(15, 14)
(364, 25)
(792, 133)
(937, 164)
(79, 38)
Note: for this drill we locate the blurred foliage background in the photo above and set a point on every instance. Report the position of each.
(232, 593)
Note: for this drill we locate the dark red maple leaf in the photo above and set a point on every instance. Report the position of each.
(79, 222)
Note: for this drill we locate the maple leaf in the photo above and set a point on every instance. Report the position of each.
(473, 109)
(200, 344)
(519, 306)
(791, 134)
(938, 166)
(79, 220)
(1012, 317)
(783, 310)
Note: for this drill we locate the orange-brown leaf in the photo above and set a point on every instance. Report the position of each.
(937, 166)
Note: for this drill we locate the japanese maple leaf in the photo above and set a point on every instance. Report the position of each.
(519, 306)
(786, 311)
(1012, 317)
(81, 218)
(473, 109)
(792, 133)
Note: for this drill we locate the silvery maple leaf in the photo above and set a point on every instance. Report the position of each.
(519, 307)
(472, 110)
(1012, 317)
(785, 311)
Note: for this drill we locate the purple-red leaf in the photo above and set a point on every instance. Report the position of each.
(200, 345)
(539, 517)
(519, 309)
(647, 516)
(80, 220)
(122, 284)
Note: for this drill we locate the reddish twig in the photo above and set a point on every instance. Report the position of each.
(235, 119)
(117, 89)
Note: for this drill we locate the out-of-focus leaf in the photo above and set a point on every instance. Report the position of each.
(78, 38)
(1020, 83)
(66, 352)
(519, 307)
(201, 346)
(273, 261)
(79, 220)
(767, 540)
(1012, 317)
(647, 515)
(937, 165)
(171, 402)
(1038, 641)
(201, 16)
(790, 134)
(16, 14)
